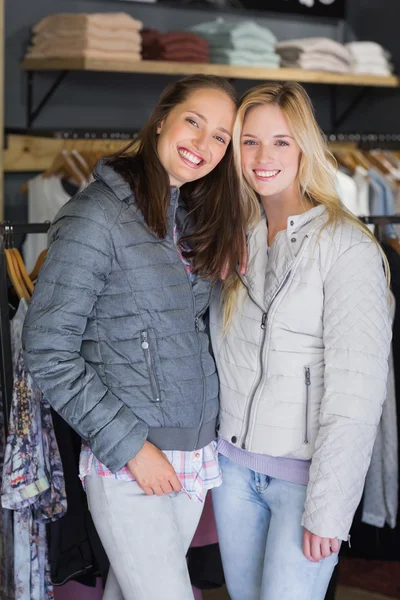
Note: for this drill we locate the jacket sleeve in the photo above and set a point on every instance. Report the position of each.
(72, 277)
(357, 335)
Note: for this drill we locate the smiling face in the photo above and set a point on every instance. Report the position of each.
(195, 135)
(270, 154)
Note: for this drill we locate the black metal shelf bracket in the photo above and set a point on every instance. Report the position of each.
(338, 119)
(33, 113)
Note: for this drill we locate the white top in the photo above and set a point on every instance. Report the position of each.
(45, 198)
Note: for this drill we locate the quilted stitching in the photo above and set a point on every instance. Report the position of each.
(334, 316)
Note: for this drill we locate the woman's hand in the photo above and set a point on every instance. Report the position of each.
(153, 471)
(317, 548)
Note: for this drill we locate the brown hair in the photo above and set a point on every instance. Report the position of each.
(213, 200)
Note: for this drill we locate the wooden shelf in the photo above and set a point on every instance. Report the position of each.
(229, 71)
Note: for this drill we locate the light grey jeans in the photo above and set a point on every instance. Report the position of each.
(146, 539)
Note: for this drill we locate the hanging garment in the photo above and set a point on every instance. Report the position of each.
(381, 199)
(75, 549)
(347, 191)
(367, 541)
(46, 196)
(6, 533)
(381, 484)
(33, 482)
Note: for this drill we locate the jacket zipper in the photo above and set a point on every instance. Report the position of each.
(263, 327)
(308, 384)
(264, 335)
(147, 354)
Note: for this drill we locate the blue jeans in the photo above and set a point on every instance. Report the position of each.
(260, 534)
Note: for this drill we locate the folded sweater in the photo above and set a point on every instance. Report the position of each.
(293, 49)
(70, 35)
(109, 21)
(321, 62)
(110, 45)
(365, 50)
(246, 35)
(243, 57)
(89, 54)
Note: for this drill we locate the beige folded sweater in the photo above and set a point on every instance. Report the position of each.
(107, 21)
(90, 32)
(110, 45)
(90, 54)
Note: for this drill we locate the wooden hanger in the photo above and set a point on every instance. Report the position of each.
(391, 157)
(393, 171)
(38, 265)
(394, 243)
(15, 276)
(84, 162)
(23, 272)
(360, 158)
(345, 159)
(376, 162)
(63, 166)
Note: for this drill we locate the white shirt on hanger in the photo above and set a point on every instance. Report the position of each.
(347, 192)
(46, 196)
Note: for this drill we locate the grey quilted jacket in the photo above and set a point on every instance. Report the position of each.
(303, 368)
(114, 336)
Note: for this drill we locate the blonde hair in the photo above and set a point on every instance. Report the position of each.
(315, 179)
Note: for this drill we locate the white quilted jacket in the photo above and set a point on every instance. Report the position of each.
(303, 367)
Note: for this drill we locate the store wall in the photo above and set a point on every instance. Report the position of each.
(116, 101)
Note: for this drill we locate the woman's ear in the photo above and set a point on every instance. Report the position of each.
(159, 128)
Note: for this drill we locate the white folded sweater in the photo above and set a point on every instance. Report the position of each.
(363, 51)
(293, 49)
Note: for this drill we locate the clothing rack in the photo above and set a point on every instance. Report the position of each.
(380, 223)
(28, 150)
(7, 229)
(367, 141)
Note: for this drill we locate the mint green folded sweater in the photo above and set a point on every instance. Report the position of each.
(246, 35)
(242, 57)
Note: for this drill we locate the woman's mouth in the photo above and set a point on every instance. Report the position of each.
(263, 175)
(190, 159)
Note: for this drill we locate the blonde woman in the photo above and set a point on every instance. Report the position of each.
(301, 344)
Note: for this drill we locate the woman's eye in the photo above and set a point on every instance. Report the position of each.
(281, 143)
(249, 143)
(192, 121)
(220, 139)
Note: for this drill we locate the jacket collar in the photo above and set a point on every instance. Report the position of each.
(107, 175)
(265, 274)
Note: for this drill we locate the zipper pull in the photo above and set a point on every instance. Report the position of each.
(263, 321)
(196, 324)
(308, 377)
(145, 343)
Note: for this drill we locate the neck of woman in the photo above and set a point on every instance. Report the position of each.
(278, 211)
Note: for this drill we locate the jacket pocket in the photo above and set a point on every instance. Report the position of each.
(307, 379)
(155, 388)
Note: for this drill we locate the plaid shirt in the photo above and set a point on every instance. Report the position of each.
(197, 471)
